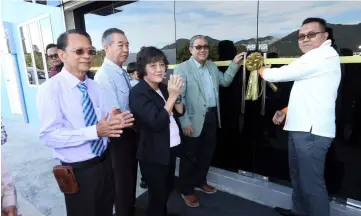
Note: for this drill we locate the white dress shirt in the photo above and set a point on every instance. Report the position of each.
(134, 82)
(312, 102)
(60, 111)
(173, 127)
(207, 80)
(113, 79)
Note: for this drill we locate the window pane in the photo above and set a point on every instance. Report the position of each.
(47, 36)
(55, 3)
(38, 50)
(229, 26)
(218, 21)
(144, 23)
(27, 54)
(282, 20)
(7, 41)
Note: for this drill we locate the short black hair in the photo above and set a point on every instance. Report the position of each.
(110, 31)
(49, 46)
(131, 67)
(330, 35)
(320, 21)
(62, 41)
(149, 55)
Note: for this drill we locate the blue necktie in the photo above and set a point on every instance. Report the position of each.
(90, 119)
(127, 78)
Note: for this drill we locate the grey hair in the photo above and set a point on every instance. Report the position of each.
(191, 42)
(107, 35)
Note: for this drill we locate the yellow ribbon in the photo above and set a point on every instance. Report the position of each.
(254, 62)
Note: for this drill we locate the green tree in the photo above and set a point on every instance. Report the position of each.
(28, 61)
(98, 58)
(183, 53)
(213, 52)
(241, 48)
(38, 60)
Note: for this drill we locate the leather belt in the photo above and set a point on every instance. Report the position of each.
(88, 163)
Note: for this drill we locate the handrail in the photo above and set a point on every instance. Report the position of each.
(343, 60)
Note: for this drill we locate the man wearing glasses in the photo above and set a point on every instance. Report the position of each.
(116, 81)
(201, 80)
(75, 122)
(310, 116)
(55, 62)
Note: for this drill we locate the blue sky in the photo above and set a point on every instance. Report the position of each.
(151, 22)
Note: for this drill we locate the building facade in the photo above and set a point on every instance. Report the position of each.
(27, 27)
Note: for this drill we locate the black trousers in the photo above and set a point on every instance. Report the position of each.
(197, 155)
(123, 154)
(142, 173)
(96, 188)
(160, 180)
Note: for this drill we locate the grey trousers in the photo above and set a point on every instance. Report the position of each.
(307, 154)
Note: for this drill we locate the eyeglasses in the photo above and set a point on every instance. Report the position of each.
(199, 47)
(82, 51)
(309, 35)
(55, 56)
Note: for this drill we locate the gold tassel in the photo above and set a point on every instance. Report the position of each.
(254, 63)
(252, 88)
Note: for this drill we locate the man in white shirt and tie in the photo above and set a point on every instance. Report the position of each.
(116, 81)
(310, 116)
(75, 122)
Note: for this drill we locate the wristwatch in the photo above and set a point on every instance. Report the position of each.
(179, 100)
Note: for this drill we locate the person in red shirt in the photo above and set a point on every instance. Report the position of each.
(55, 62)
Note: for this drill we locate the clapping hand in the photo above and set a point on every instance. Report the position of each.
(128, 119)
(111, 128)
(175, 83)
(126, 116)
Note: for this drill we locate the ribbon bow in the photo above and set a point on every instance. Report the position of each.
(253, 63)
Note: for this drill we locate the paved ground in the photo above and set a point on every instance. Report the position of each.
(31, 164)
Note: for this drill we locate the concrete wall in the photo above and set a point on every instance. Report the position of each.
(15, 12)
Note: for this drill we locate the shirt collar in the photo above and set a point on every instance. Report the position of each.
(71, 80)
(199, 66)
(327, 43)
(112, 64)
